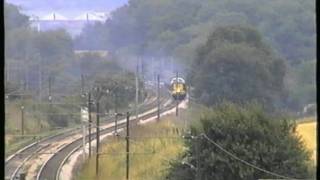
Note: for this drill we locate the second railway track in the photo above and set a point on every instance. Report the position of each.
(49, 170)
(15, 163)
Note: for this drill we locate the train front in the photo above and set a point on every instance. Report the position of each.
(178, 88)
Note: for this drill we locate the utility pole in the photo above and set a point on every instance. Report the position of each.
(116, 112)
(90, 121)
(97, 137)
(82, 84)
(127, 147)
(25, 74)
(171, 60)
(6, 74)
(198, 157)
(38, 25)
(25, 84)
(84, 137)
(177, 101)
(84, 120)
(137, 91)
(22, 120)
(40, 79)
(21, 76)
(50, 97)
(142, 79)
(152, 70)
(158, 97)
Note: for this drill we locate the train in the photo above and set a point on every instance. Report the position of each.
(178, 88)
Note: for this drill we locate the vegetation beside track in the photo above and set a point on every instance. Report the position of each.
(36, 122)
(153, 146)
(229, 135)
(307, 129)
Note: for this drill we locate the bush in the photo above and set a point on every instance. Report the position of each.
(238, 66)
(248, 133)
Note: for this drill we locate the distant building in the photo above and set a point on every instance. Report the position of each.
(73, 25)
(101, 53)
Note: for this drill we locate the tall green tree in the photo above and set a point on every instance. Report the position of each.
(13, 18)
(55, 49)
(31, 55)
(236, 65)
(301, 84)
(117, 90)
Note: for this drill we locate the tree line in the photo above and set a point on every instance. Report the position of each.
(179, 28)
(38, 63)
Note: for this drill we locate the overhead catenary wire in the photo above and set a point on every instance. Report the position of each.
(243, 161)
(31, 94)
(124, 153)
(34, 104)
(62, 114)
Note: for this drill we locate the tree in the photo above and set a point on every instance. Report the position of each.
(13, 18)
(269, 143)
(117, 89)
(173, 28)
(93, 64)
(29, 54)
(237, 66)
(301, 84)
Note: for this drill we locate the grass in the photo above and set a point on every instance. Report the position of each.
(13, 127)
(153, 146)
(35, 122)
(307, 130)
(17, 143)
(13, 119)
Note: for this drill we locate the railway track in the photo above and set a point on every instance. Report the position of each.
(50, 170)
(15, 162)
(52, 145)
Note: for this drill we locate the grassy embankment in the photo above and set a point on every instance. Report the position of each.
(35, 123)
(13, 126)
(159, 151)
(152, 146)
(156, 153)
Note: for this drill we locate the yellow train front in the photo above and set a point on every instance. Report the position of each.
(178, 88)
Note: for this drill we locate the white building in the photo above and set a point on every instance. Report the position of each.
(73, 25)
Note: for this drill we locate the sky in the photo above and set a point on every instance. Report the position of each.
(67, 8)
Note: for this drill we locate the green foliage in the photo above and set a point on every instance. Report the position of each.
(54, 45)
(93, 65)
(18, 43)
(32, 57)
(88, 43)
(29, 53)
(157, 152)
(247, 132)
(301, 84)
(10, 88)
(117, 89)
(13, 18)
(236, 65)
(176, 27)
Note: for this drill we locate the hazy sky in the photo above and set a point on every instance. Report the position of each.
(66, 7)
